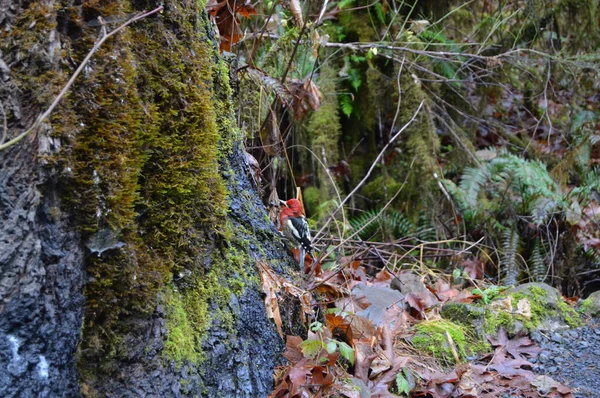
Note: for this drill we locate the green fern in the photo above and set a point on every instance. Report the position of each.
(509, 264)
(537, 262)
(391, 224)
(346, 104)
(471, 184)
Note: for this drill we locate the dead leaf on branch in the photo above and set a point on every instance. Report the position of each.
(225, 14)
(296, 11)
(306, 96)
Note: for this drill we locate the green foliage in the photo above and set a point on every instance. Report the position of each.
(510, 241)
(391, 224)
(346, 351)
(489, 293)
(509, 196)
(402, 384)
(537, 261)
(312, 347)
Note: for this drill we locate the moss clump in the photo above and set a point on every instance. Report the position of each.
(432, 337)
(495, 320)
(324, 130)
(145, 135)
(382, 188)
(543, 308)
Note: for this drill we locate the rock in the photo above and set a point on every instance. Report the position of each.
(549, 311)
(552, 295)
(556, 338)
(591, 306)
(466, 314)
(381, 299)
(407, 282)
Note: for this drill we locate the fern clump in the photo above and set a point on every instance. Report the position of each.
(513, 199)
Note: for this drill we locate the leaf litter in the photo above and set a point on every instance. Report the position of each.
(359, 342)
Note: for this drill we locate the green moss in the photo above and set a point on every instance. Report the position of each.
(541, 310)
(182, 343)
(538, 299)
(382, 188)
(324, 131)
(431, 337)
(494, 320)
(589, 306)
(569, 314)
(25, 48)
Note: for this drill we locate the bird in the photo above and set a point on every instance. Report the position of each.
(295, 227)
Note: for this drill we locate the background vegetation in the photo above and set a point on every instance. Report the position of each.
(497, 104)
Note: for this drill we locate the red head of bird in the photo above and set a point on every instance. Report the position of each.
(295, 206)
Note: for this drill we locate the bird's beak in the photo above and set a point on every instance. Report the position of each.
(282, 202)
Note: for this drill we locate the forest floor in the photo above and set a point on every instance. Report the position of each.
(571, 357)
(420, 333)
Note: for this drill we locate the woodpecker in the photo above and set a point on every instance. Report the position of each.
(295, 227)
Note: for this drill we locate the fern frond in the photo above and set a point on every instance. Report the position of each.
(541, 209)
(271, 84)
(510, 242)
(537, 262)
(390, 224)
(471, 183)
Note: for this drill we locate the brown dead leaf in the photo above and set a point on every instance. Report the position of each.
(474, 268)
(269, 286)
(364, 356)
(518, 347)
(296, 11)
(524, 308)
(305, 96)
(225, 14)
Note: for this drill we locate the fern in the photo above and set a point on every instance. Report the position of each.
(346, 104)
(471, 183)
(425, 230)
(537, 262)
(509, 256)
(270, 84)
(541, 209)
(391, 224)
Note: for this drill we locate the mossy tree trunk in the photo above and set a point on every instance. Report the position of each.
(130, 227)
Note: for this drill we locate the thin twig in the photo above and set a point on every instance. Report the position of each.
(105, 36)
(366, 177)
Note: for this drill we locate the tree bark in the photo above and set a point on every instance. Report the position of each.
(130, 226)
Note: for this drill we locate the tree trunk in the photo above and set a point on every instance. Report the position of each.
(130, 227)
